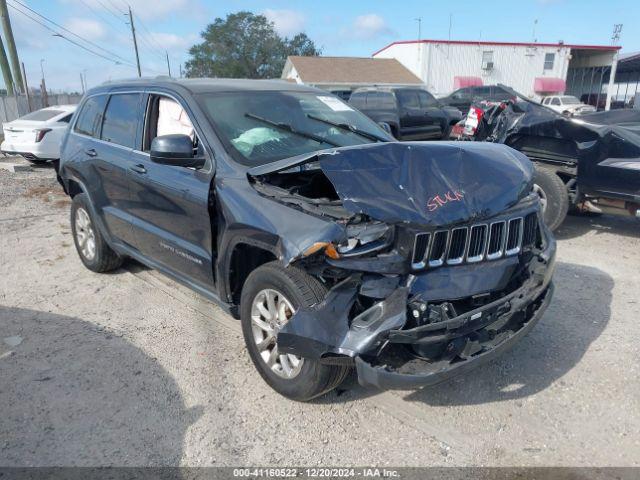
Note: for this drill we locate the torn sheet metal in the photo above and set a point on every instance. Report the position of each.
(604, 147)
(325, 330)
(423, 183)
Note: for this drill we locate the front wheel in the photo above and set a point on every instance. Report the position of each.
(554, 198)
(270, 297)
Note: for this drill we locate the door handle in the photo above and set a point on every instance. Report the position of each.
(139, 168)
(91, 152)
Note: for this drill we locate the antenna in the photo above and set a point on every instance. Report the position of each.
(535, 24)
(419, 20)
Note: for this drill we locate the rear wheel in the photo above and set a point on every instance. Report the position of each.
(554, 198)
(92, 248)
(270, 297)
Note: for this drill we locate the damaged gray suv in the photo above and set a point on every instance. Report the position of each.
(336, 246)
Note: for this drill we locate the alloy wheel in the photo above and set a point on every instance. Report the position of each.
(270, 310)
(85, 235)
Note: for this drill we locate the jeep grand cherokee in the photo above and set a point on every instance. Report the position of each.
(334, 245)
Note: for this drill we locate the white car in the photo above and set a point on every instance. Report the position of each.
(37, 135)
(567, 105)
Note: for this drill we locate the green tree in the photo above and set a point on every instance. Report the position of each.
(244, 45)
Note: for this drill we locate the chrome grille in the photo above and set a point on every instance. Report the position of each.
(420, 249)
(496, 240)
(475, 243)
(438, 248)
(530, 230)
(457, 246)
(514, 236)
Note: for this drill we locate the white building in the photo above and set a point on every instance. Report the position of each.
(533, 69)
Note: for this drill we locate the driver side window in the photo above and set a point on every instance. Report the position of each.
(165, 116)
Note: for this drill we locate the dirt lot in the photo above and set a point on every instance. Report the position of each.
(131, 369)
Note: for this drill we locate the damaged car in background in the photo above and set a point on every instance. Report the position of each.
(589, 163)
(335, 245)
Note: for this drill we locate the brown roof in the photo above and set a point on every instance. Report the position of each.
(352, 70)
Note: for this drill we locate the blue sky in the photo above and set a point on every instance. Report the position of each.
(355, 28)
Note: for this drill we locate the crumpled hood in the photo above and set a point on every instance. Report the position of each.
(425, 183)
(429, 183)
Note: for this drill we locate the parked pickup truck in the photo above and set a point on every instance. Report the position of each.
(334, 245)
(567, 105)
(411, 113)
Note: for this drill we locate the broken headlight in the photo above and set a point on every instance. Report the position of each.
(365, 238)
(361, 239)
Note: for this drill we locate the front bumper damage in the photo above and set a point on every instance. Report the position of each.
(387, 347)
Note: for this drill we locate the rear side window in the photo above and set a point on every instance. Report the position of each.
(121, 119)
(66, 118)
(498, 94)
(380, 100)
(42, 115)
(462, 94)
(408, 98)
(90, 116)
(387, 101)
(358, 99)
(427, 100)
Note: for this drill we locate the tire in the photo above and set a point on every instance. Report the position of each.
(554, 195)
(394, 132)
(310, 378)
(103, 258)
(446, 132)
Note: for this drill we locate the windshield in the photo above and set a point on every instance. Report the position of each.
(262, 127)
(569, 100)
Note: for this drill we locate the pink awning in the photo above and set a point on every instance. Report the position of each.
(549, 85)
(462, 82)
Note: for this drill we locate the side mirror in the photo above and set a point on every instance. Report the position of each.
(175, 150)
(385, 126)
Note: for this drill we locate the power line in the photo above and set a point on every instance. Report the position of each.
(120, 25)
(116, 7)
(151, 37)
(58, 34)
(108, 9)
(147, 39)
(69, 31)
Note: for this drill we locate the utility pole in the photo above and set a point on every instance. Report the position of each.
(82, 83)
(168, 64)
(26, 87)
(419, 20)
(180, 65)
(6, 71)
(43, 86)
(135, 42)
(11, 44)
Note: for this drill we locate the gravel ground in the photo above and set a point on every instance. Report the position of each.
(130, 368)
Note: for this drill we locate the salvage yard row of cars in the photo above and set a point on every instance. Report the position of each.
(335, 245)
